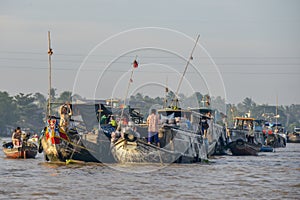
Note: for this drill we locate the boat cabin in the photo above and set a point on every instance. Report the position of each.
(245, 127)
(204, 111)
(174, 116)
(275, 128)
(297, 130)
(171, 113)
(243, 123)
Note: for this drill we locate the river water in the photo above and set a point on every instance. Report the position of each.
(273, 175)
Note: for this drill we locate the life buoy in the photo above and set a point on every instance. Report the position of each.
(130, 135)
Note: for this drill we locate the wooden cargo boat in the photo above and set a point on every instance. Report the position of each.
(276, 137)
(294, 137)
(26, 150)
(244, 139)
(85, 141)
(241, 147)
(177, 144)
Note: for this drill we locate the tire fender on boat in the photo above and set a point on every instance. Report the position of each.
(240, 142)
(130, 135)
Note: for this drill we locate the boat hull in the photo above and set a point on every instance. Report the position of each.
(178, 146)
(243, 148)
(266, 148)
(26, 151)
(216, 140)
(293, 138)
(77, 148)
(276, 140)
(141, 152)
(62, 146)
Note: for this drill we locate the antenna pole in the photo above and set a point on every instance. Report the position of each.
(50, 52)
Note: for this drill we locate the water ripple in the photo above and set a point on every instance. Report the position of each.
(267, 176)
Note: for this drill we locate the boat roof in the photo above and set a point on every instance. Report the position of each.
(202, 109)
(273, 124)
(82, 102)
(172, 110)
(177, 112)
(244, 118)
(259, 120)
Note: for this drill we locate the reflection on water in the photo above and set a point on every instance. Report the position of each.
(267, 176)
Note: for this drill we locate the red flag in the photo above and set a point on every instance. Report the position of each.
(135, 64)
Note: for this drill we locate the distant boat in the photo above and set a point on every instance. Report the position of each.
(259, 126)
(294, 137)
(244, 139)
(26, 150)
(275, 135)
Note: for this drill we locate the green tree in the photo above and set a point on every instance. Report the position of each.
(65, 96)
(218, 103)
(40, 100)
(29, 114)
(8, 112)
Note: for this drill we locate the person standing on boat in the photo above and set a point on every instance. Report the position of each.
(251, 133)
(152, 122)
(205, 126)
(65, 113)
(16, 137)
(206, 123)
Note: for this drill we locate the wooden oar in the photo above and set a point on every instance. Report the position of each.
(70, 159)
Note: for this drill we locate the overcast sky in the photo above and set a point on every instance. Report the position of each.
(247, 48)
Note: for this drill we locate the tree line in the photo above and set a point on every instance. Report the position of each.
(27, 111)
(30, 110)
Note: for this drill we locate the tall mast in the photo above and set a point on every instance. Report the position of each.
(187, 64)
(185, 69)
(50, 52)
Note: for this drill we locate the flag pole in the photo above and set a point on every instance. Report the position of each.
(128, 86)
(185, 69)
(50, 52)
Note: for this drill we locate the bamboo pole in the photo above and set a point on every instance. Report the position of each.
(127, 90)
(187, 64)
(50, 52)
(185, 69)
